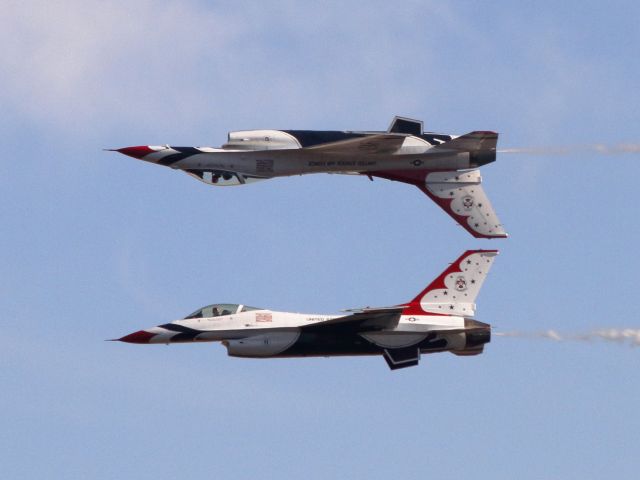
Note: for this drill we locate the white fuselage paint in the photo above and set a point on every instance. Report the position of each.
(410, 330)
(444, 167)
(400, 333)
(280, 156)
(287, 163)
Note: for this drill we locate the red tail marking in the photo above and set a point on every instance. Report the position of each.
(418, 178)
(414, 307)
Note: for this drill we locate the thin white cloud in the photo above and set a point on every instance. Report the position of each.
(79, 61)
(86, 65)
(180, 65)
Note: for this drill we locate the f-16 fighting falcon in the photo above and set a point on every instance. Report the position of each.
(438, 319)
(445, 167)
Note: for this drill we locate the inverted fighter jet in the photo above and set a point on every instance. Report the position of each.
(445, 167)
(438, 319)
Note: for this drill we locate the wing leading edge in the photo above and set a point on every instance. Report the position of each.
(387, 143)
(365, 320)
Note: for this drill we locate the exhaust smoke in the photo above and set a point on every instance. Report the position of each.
(598, 148)
(622, 336)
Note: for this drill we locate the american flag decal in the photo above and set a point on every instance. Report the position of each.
(264, 166)
(263, 317)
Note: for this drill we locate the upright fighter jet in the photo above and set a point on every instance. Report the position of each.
(438, 319)
(445, 167)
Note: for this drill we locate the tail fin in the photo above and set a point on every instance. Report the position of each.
(461, 195)
(455, 290)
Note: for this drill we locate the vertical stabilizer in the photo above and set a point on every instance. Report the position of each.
(455, 290)
(461, 195)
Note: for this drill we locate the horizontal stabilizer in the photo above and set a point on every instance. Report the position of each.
(471, 142)
(368, 145)
(481, 147)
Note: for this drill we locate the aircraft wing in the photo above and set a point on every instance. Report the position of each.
(372, 320)
(394, 309)
(387, 143)
(364, 320)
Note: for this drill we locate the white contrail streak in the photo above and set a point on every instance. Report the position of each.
(598, 148)
(624, 336)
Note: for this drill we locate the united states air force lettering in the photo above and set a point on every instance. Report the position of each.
(343, 163)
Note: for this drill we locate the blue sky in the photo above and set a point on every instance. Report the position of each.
(96, 245)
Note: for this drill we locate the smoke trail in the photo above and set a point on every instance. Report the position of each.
(626, 336)
(598, 148)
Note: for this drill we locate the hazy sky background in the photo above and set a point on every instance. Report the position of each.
(95, 245)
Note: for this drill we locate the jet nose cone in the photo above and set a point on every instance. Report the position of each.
(141, 336)
(136, 152)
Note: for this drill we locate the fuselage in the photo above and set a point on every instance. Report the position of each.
(261, 154)
(439, 318)
(444, 167)
(252, 332)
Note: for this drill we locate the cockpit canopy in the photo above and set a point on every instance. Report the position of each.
(220, 309)
(223, 178)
